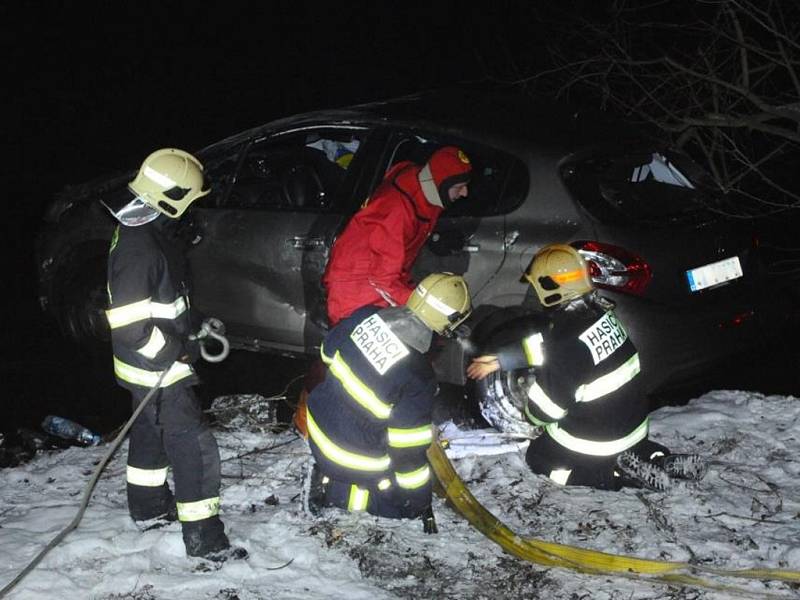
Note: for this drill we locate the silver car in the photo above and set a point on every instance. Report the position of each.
(685, 279)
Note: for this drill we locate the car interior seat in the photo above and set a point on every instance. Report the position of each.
(312, 181)
(303, 188)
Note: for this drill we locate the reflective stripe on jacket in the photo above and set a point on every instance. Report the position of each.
(148, 310)
(370, 419)
(587, 393)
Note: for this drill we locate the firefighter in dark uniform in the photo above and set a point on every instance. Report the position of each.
(587, 394)
(150, 327)
(369, 421)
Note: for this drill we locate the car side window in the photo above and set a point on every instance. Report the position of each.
(298, 171)
(219, 169)
(499, 180)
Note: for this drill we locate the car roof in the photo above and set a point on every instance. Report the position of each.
(483, 111)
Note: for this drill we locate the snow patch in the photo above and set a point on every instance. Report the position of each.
(744, 513)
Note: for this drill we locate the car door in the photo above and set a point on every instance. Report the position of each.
(265, 245)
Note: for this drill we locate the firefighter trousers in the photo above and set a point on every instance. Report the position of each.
(391, 503)
(172, 432)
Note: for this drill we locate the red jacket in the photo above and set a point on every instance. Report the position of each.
(378, 246)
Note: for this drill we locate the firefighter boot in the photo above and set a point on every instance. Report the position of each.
(683, 466)
(314, 488)
(206, 539)
(637, 472)
(151, 507)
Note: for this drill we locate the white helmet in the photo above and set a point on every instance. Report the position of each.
(558, 274)
(441, 301)
(168, 181)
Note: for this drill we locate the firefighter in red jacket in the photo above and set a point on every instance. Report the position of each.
(371, 260)
(150, 327)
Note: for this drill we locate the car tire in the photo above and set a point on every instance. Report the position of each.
(500, 396)
(81, 296)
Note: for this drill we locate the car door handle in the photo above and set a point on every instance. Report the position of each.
(302, 242)
(511, 238)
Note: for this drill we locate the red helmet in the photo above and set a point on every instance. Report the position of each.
(447, 167)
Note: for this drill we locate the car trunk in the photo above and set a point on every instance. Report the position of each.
(690, 264)
(662, 213)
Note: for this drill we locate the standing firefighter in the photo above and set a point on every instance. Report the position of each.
(369, 421)
(150, 327)
(587, 394)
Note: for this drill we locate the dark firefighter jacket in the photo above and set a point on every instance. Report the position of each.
(149, 309)
(586, 393)
(376, 250)
(369, 421)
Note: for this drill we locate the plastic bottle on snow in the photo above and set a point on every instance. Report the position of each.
(70, 430)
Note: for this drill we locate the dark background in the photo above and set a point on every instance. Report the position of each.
(93, 87)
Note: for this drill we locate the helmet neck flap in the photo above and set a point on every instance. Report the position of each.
(408, 327)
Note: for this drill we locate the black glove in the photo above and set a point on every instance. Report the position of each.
(191, 351)
(462, 332)
(428, 521)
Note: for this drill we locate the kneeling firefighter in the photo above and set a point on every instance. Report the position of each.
(150, 333)
(587, 394)
(370, 420)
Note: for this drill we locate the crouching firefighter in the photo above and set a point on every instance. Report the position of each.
(587, 393)
(369, 421)
(150, 328)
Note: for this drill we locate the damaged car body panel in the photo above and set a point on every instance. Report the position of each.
(282, 192)
(265, 240)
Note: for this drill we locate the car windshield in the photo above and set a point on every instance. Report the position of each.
(650, 187)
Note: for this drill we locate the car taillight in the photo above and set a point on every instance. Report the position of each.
(614, 268)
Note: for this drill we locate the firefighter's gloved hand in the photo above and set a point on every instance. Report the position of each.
(428, 521)
(191, 351)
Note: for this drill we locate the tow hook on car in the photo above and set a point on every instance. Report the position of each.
(215, 329)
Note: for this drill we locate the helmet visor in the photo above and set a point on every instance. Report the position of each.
(128, 210)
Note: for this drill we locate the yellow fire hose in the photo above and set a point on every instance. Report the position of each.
(585, 560)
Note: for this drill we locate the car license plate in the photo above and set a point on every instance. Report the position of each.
(714, 274)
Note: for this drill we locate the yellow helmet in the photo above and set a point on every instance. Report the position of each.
(169, 181)
(558, 274)
(441, 301)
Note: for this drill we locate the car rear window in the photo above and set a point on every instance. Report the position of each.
(655, 188)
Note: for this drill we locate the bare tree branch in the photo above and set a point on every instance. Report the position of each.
(719, 79)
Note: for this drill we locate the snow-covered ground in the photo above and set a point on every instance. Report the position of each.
(745, 513)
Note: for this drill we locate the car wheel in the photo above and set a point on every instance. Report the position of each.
(81, 296)
(500, 397)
